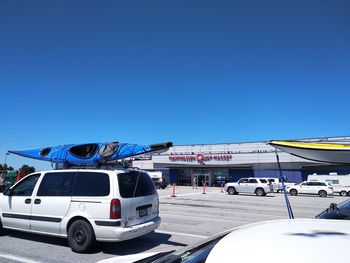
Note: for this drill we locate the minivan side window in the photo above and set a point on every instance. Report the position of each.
(26, 186)
(127, 182)
(56, 184)
(91, 184)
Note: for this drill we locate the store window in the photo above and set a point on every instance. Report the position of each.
(220, 176)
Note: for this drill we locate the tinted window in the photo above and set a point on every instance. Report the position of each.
(135, 182)
(243, 181)
(91, 184)
(342, 211)
(332, 181)
(271, 180)
(263, 181)
(316, 184)
(56, 184)
(26, 186)
(252, 181)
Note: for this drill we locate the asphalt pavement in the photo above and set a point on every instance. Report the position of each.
(188, 218)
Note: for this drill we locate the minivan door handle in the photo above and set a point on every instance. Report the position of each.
(37, 201)
(28, 201)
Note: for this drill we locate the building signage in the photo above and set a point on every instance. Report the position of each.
(200, 158)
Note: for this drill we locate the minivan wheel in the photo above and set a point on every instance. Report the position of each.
(343, 193)
(260, 192)
(293, 192)
(81, 236)
(322, 193)
(231, 190)
(2, 230)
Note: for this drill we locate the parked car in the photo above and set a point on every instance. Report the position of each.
(160, 183)
(277, 184)
(316, 188)
(334, 211)
(310, 238)
(253, 185)
(82, 205)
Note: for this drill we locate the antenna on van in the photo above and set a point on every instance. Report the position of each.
(281, 178)
(132, 199)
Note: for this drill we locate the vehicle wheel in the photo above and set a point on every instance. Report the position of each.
(260, 192)
(81, 236)
(2, 230)
(293, 192)
(231, 190)
(322, 193)
(343, 193)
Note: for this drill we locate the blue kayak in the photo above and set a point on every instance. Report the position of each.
(91, 153)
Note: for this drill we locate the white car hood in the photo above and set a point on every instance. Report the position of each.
(295, 240)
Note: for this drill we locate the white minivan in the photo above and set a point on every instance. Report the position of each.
(82, 205)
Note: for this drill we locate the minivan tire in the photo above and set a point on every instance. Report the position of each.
(2, 230)
(81, 236)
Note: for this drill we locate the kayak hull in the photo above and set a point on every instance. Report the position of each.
(321, 152)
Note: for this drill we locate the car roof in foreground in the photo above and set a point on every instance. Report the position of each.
(310, 240)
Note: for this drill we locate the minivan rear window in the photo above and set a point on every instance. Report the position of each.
(127, 182)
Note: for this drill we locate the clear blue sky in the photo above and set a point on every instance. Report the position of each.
(183, 71)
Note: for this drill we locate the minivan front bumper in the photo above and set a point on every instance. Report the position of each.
(107, 233)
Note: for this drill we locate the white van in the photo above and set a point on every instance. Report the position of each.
(82, 205)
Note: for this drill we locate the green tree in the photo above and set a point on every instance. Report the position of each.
(26, 169)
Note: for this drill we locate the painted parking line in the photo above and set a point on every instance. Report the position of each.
(17, 258)
(180, 234)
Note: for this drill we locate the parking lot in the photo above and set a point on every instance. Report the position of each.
(187, 218)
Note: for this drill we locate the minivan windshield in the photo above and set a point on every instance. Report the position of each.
(127, 184)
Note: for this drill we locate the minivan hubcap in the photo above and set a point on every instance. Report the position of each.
(80, 235)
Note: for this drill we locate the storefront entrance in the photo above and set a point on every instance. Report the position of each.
(202, 178)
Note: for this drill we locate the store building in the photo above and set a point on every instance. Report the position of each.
(218, 163)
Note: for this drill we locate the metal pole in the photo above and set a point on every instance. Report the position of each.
(6, 154)
(281, 178)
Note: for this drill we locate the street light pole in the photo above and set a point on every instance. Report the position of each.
(7, 154)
